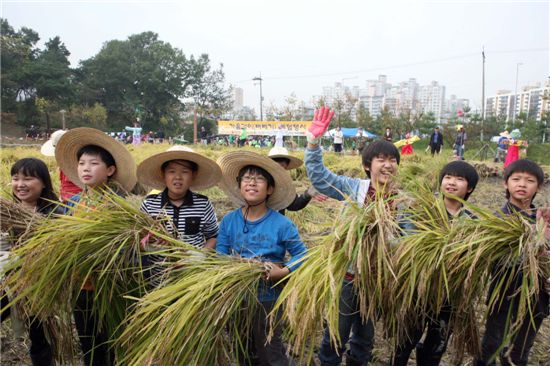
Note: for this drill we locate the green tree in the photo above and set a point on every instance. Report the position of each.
(52, 74)
(364, 119)
(19, 51)
(425, 123)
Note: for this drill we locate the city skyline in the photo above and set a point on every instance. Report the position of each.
(299, 47)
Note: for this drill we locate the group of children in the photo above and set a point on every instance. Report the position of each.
(261, 186)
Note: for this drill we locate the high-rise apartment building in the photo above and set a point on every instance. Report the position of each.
(238, 101)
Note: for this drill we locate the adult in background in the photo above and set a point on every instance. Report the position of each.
(502, 146)
(388, 136)
(338, 140)
(436, 141)
(360, 140)
(136, 133)
(204, 135)
(279, 137)
(459, 142)
(243, 137)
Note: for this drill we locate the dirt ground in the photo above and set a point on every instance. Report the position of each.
(489, 193)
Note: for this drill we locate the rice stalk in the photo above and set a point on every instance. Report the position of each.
(100, 245)
(201, 316)
(359, 243)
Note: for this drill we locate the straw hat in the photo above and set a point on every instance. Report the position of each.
(281, 152)
(75, 139)
(231, 163)
(150, 174)
(48, 148)
(458, 127)
(504, 134)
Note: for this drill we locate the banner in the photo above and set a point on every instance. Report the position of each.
(263, 128)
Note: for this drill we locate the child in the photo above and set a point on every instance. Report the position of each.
(32, 187)
(288, 162)
(256, 230)
(178, 172)
(67, 188)
(380, 161)
(458, 179)
(96, 161)
(522, 180)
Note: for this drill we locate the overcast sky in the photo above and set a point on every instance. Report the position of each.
(300, 46)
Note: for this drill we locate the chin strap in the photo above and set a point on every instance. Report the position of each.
(246, 212)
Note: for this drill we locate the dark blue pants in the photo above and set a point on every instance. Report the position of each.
(361, 341)
(94, 341)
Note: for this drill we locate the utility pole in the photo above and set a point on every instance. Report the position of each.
(259, 78)
(515, 95)
(482, 93)
(195, 128)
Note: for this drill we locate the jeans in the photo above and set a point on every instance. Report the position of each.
(496, 329)
(430, 352)
(261, 353)
(362, 338)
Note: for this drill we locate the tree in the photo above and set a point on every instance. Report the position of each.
(147, 72)
(19, 51)
(52, 74)
(425, 123)
(364, 119)
(210, 95)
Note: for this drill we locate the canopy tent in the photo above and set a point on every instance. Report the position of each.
(351, 132)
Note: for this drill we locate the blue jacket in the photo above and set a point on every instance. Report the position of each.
(267, 239)
(331, 184)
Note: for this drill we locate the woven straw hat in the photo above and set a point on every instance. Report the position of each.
(48, 148)
(281, 152)
(150, 174)
(231, 163)
(75, 139)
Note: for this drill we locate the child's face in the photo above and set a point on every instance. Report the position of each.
(254, 188)
(26, 188)
(92, 171)
(382, 169)
(522, 187)
(178, 177)
(456, 186)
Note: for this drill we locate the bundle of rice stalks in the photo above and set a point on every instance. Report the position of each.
(200, 317)
(15, 217)
(359, 244)
(98, 246)
(444, 263)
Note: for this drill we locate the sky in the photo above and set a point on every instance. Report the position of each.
(299, 46)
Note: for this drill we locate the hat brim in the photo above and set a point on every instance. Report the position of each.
(293, 161)
(150, 174)
(47, 148)
(231, 163)
(75, 139)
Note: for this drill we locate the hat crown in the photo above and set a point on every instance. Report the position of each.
(278, 151)
(180, 148)
(56, 136)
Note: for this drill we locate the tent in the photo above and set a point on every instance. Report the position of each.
(351, 132)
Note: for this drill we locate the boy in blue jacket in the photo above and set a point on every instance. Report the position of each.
(256, 230)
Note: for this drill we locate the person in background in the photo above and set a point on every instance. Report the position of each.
(204, 136)
(289, 162)
(387, 135)
(436, 141)
(459, 142)
(136, 133)
(338, 140)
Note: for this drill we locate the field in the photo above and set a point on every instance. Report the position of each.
(314, 219)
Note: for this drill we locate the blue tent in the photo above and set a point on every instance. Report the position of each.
(351, 132)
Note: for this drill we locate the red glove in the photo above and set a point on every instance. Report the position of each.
(319, 125)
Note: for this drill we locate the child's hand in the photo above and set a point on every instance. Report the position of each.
(274, 273)
(321, 120)
(543, 213)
